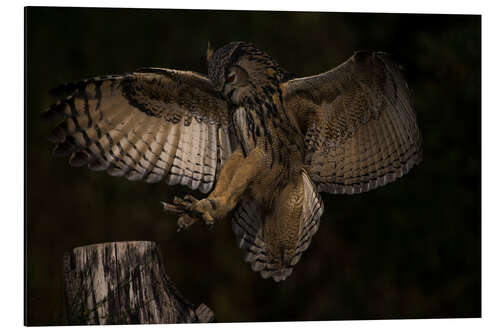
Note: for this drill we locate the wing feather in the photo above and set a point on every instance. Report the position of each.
(151, 124)
(158, 141)
(359, 124)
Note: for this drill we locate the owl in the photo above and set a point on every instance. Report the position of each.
(261, 142)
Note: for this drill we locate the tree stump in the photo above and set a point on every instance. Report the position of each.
(124, 283)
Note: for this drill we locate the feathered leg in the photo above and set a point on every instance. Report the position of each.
(235, 176)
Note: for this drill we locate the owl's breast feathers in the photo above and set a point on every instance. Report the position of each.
(262, 121)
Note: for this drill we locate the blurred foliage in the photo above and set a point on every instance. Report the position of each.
(409, 250)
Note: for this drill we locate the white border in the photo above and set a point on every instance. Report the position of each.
(13, 167)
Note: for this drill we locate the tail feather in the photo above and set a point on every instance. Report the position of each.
(247, 225)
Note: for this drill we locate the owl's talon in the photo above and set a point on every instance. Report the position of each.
(171, 208)
(190, 211)
(210, 225)
(208, 219)
(183, 204)
(185, 221)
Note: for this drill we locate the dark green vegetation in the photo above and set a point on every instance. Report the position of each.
(411, 249)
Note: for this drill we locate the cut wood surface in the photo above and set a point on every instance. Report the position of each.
(124, 283)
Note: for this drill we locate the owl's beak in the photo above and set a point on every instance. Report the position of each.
(226, 90)
(220, 94)
(218, 87)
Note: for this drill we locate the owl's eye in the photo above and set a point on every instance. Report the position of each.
(236, 76)
(230, 78)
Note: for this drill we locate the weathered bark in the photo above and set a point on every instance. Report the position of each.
(124, 283)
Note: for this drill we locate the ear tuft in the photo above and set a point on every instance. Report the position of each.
(210, 52)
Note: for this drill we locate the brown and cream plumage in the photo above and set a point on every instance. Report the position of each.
(262, 142)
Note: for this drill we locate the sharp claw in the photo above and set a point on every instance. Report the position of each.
(209, 221)
(171, 208)
(185, 221)
(165, 205)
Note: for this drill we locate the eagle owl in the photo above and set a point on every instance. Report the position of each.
(262, 142)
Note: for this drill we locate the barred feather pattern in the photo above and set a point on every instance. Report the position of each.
(361, 129)
(247, 226)
(152, 124)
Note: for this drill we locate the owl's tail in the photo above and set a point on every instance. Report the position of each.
(252, 238)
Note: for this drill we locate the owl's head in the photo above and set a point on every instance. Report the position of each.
(239, 70)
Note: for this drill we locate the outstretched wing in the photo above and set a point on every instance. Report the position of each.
(152, 124)
(359, 123)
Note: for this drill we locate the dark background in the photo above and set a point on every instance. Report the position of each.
(411, 249)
